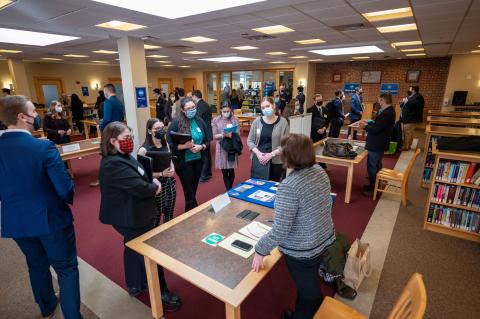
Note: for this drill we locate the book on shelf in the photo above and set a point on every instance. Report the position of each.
(427, 172)
(454, 218)
(458, 172)
(456, 195)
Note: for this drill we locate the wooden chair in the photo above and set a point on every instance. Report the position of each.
(410, 304)
(237, 112)
(394, 182)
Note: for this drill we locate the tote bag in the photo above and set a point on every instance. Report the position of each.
(358, 265)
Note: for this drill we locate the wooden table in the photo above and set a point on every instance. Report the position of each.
(86, 147)
(454, 113)
(355, 127)
(38, 133)
(88, 124)
(178, 247)
(349, 163)
(453, 121)
(247, 118)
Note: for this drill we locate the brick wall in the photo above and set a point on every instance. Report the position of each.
(432, 83)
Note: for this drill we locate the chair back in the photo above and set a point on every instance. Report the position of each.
(237, 112)
(412, 301)
(406, 174)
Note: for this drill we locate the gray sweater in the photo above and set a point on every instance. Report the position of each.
(303, 226)
(280, 130)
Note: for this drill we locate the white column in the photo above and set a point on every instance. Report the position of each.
(19, 77)
(133, 70)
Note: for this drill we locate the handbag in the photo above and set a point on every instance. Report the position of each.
(358, 264)
(339, 149)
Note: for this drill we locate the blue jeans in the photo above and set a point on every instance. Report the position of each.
(57, 250)
(374, 164)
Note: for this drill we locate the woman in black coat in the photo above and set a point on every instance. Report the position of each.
(76, 106)
(128, 204)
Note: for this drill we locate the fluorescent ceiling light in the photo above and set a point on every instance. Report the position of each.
(97, 61)
(407, 43)
(349, 50)
(195, 52)
(178, 8)
(315, 60)
(9, 51)
(274, 29)
(184, 66)
(245, 47)
(277, 62)
(198, 39)
(298, 57)
(360, 57)
(4, 3)
(389, 14)
(276, 53)
(398, 28)
(151, 47)
(32, 38)
(75, 56)
(161, 61)
(105, 52)
(52, 59)
(311, 41)
(415, 54)
(156, 56)
(168, 65)
(120, 25)
(412, 50)
(229, 59)
(475, 51)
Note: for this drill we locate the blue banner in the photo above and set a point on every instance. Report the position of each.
(393, 88)
(349, 88)
(141, 97)
(85, 90)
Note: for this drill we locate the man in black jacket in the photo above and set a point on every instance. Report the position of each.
(336, 114)
(411, 113)
(319, 119)
(203, 111)
(159, 104)
(378, 138)
(301, 99)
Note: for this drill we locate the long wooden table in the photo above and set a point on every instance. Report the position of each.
(246, 118)
(453, 121)
(85, 148)
(349, 163)
(454, 113)
(178, 247)
(88, 124)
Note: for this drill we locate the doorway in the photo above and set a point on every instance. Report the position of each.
(189, 84)
(48, 89)
(166, 84)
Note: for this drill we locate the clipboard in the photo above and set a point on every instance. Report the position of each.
(161, 160)
(180, 138)
(147, 164)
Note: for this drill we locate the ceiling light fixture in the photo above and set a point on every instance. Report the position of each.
(9, 51)
(415, 54)
(475, 51)
(406, 43)
(245, 47)
(32, 38)
(276, 53)
(168, 65)
(75, 56)
(52, 59)
(349, 50)
(315, 60)
(195, 52)
(229, 59)
(151, 47)
(298, 57)
(162, 61)
(277, 62)
(156, 56)
(360, 57)
(184, 66)
(5, 3)
(388, 14)
(120, 25)
(98, 61)
(274, 29)
(105, 52)
(310, 41)
(398, 28)
(198, 39)
(413, 50)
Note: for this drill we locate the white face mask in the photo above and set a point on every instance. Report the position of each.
(226, 115)
(58, 109)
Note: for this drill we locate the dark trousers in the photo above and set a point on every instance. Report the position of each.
(335, 126)
(189, 176)
(305, 275)
(350, 129)
(374, 164)
(207, 165)
(59, 251)
(134, 263)
(228, 177)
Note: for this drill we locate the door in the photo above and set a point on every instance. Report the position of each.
(48, 89)
(117, 83)
(189, 84)
(166, 84)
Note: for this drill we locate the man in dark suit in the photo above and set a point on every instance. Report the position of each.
(411, 114)
(356, 109)
(204, 112)
(378, 138)
(35, 191)
(301, 99)
(319, 119)
(336, 114)
(159, 104)
(113, 109)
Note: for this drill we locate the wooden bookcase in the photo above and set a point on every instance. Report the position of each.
(462, 156)
(431, 133)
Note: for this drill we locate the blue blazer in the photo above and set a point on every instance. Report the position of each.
(355, 108)
(113, 110)
(35, 188)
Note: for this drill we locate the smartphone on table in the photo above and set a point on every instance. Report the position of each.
(242, 245)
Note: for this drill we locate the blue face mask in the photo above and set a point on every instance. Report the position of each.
(268, 111)
(191, 113)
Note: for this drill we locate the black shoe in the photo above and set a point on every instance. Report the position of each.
(170, 301)
(51, 313)
(134, 291)
(287, 315)
(205, 179)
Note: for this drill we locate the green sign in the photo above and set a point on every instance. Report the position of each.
(213, 239)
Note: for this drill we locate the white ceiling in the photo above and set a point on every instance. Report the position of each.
(446, 27)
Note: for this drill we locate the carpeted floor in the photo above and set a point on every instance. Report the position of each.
(449, 265)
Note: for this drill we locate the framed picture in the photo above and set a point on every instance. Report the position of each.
(337, 77)
(413, 75)
(371, 76)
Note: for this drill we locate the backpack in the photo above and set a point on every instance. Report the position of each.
(331, 110)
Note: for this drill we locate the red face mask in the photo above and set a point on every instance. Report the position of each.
(126, 145)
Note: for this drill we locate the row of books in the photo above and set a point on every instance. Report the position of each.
(457, 195)
(427, 173)
(458, 172)
(429, 160)
(454, 217)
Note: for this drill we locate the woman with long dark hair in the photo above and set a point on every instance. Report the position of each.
(76, 106)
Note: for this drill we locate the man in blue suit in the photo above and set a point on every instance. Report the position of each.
(356, 109)
(113, 109)
(35, 191)
(336, 114)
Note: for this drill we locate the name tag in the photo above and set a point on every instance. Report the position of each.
(199, 130)
(141, 171)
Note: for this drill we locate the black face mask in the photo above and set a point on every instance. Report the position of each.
(409, 92)
(160, 134)
(319, 103)
(37, 122)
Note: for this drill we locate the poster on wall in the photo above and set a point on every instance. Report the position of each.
(393, 88)
(349, 88)
(269, 88)
(85, 91)
(141, 97)
(371, 76)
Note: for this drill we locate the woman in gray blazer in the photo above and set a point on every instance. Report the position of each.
(264, 142)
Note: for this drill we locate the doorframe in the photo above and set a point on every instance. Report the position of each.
(170, 84)
(38, 86)
(195, 79)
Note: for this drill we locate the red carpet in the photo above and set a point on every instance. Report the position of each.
(101, 246)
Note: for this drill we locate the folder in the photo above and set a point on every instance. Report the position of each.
(161, 160)
(180, 138)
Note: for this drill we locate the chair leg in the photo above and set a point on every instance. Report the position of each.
(376, 188)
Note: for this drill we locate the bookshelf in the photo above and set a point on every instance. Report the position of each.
(453, 203)
(432, 132)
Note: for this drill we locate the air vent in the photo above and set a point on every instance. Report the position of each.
(261, 37)
(179, 47)
(351, 27)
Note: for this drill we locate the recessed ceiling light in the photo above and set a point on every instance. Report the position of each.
(315, 60)
(168, 65)
(475, 51)
(198, 39)
(32, 38)
(349, 50)
(156, 56)
(398, 28)
(161, 61)
(274, 29)
(52, 59)
(195, 52)
(277, 62)
(9, 51)
(97, 61)
(105, 52)
(4, 3)
(229, 59)
(184, 66)
(276, 53)
(389, 14)
(311, 41)
(245, 47)
(407, 43)
(120, 25)
(178, 8)
(298, 57)
(412, 50)
(415, 54)
(151, 47)
(360, 57)
(75, 56)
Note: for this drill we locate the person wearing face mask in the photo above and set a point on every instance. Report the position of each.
(55, 125)
(190, 156)
(128, 204)
(169, 105)
(263, 141)
(204, 112)
(155, 140)
(36, 192)
(319, 119)
(113, 109)
(229, 145)
(356, 109)
(336, 114)
(411, 113)
(159, 104)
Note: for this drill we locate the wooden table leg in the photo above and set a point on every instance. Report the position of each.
(348, 190)
(87, 131)
(98, 131)
(154, 288)
(232, 312)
